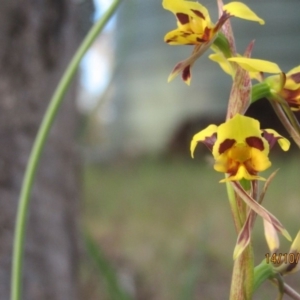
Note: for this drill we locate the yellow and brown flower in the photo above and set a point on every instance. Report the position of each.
(194, 27)
(240, 148)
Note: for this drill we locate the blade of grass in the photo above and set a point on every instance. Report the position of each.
(38, 146)
(105, 269)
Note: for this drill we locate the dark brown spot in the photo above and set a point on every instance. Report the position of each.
(206, 35)
(227, 144)
(290, 267)
(296, 77)
(186, 73)
(183, 18)
(250, 168)
(173, 39)
(200, 40)
(210, 141)
(255, 142)
(290, 95)
(198, 13)
(271, 139)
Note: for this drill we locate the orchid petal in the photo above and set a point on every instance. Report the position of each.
(272, 137)
(180, 37)
(260, 160)
(292, 267)
(240, 10)
(271, 236)
(223, 62)
(244, 236)
(181, 66)
(189, 8)
(203, 135)
(293, 79)
(293, 71)
(295, 247)
(236, 128)
(241, 173)
(256, 65)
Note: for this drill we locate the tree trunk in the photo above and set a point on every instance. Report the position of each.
(37, 41)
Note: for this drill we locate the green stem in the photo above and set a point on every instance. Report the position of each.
(38, 146)
(259, 91)
(249, 272)
(288, 290)
(262, 272)
(222, 43)
(237, 291)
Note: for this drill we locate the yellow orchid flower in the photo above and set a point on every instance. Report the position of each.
(240, 148)
(194, 27)
(286, 85)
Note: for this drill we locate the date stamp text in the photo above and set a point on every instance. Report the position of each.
(286, 258)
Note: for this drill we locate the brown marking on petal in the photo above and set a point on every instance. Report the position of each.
(255, 142)
(249, 167)
(210, 141)
(290, 95)
(186, 73)
(207, 34)
(182, 18)
(233, 167)
(198, 13)
(186, 34)
(200, 40)
(177, 67)
(271, 139)
(292, 266)
(244, 235)
(173, 39)
(296, 77)
(228, 143)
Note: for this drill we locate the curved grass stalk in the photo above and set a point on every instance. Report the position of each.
(38, 146)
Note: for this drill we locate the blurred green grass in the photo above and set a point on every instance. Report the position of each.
(168, 224)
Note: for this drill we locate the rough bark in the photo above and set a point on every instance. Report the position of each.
(37, 39)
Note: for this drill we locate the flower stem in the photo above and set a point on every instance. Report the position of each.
(262, 272)
(259, 91)
(38, 146)
(288, 290)
(222, 43)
